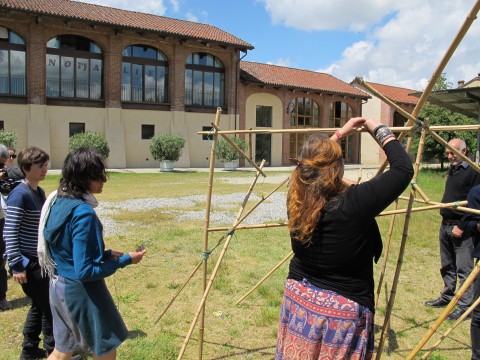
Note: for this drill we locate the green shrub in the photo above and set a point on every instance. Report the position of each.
(8, 138)
(167, 147)
(90, 139)
(226, 152)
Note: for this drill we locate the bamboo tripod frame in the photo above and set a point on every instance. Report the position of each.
(431, 131)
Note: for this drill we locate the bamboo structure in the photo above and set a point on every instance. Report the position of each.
(289, 255)
(205, 230)
(453, 327)
(412, 125)
(385, 256)
(473, 275)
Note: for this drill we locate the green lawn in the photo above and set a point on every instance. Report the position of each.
(248, 330)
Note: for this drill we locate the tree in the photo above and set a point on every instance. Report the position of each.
(437, 115)
(90, 139)
(442, 83)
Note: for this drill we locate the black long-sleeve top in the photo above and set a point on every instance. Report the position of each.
(459, 182)
(347, 239)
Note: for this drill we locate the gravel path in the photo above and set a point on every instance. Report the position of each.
(225, 210)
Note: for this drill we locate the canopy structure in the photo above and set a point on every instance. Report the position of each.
(464, 100)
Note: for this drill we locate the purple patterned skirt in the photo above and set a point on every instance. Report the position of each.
(321, 324)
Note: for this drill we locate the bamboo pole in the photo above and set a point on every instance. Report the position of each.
(393, 290)
(265, 277)
(246, 227)
(396, 277)
(473, 275)
(179, 291)
(207, 223)
(453, 327)
(240, 151)
(213, 275)
(458, 153)
(438, 71)
(472, 127)
(385, 257)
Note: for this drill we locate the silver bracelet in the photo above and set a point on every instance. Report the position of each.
(382, 134)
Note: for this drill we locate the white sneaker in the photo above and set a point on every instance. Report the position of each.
(5, 304)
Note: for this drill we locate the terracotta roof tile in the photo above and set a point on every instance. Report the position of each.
(123, 18)
(396, 94)
(296, 78)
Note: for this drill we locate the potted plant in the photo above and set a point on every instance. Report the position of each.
(167, 148)
(90, 139)
(8, 138)
(228, 154)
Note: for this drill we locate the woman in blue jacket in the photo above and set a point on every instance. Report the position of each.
(84, 313)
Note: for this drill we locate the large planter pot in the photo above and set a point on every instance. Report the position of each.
(231, 165)
(166, 166)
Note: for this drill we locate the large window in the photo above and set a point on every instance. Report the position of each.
(74, 68)
(338, 114)
(12, 63)
(144, 75)
(204, 81)
(264, 116)
(304, 113)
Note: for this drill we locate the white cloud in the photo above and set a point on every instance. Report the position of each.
(281, 62)
(156, 7)
(191, 16)
(330, 15)
(404, 41)
(175, 5)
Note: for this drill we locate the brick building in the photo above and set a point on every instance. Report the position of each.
(68, 67)
(377, 109)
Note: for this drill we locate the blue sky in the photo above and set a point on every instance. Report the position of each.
(392, 42)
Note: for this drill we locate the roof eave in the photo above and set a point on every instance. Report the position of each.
(240, 47)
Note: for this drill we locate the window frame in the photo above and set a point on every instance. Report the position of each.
(144, 127)
(200, 70)
(72, 132)
(59, 92)
(9, 46)
(266, 117)
(144, 62)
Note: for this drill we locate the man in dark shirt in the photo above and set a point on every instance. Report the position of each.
(455, 252)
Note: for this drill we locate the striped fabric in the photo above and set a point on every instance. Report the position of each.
(21, 223)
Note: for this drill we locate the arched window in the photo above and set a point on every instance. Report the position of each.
(204, 81)
(144, 74)
(74, 68)
(338, 114)
(12, 63)
(304, 113)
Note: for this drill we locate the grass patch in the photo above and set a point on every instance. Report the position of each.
(247, 331)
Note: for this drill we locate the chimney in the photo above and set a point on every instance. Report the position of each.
(460, 83)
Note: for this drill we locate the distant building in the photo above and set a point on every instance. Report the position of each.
(388, 115)
(68, 67)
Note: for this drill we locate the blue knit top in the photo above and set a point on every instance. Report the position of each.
(74, 234)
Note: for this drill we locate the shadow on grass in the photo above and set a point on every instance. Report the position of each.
(134, 334)
(265, 351)
(391, 343)
(18, 303)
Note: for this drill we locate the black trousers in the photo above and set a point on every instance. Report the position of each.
(3, 271)
(39, 317)
(475, 324)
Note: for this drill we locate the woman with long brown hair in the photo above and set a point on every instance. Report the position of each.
(328, 303)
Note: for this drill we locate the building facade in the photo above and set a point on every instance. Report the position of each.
(68, 67)
(375, 108)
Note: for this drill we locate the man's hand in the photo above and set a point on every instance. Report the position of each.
(457, 232)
